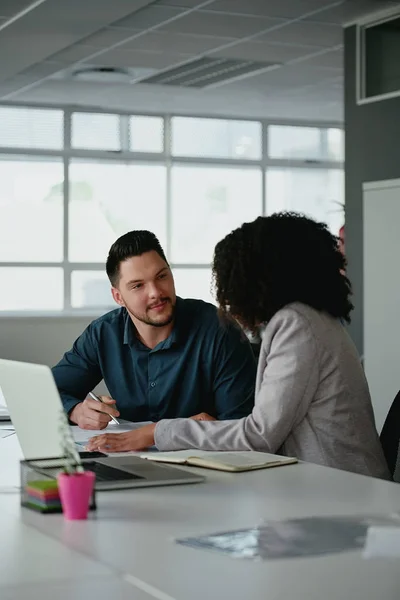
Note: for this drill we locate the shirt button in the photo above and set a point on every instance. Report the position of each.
(153, 384)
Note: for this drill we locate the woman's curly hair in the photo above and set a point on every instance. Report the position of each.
(273, 261)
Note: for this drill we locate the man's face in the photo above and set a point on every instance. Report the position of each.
(146, 289)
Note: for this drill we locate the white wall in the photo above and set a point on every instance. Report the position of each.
(382, 293)
(41, 340)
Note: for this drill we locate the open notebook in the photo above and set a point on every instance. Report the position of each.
(234, 462)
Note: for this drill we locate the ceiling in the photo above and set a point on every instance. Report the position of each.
(43, 43)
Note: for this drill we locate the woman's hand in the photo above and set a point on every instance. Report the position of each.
(138, 439)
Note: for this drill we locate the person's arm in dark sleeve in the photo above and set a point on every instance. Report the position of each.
(234, 373)
(78, 372)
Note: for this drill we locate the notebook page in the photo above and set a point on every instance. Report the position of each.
(235, 459)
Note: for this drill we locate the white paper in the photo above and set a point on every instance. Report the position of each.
(383, 542)
(82, 436)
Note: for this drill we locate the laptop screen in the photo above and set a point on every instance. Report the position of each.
(34, 405)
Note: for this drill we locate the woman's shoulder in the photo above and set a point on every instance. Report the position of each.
(300, 323)
(295, 313)
(303, 314)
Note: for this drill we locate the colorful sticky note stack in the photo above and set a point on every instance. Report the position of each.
(43, 496)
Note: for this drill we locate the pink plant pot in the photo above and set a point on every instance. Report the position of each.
(75, 492)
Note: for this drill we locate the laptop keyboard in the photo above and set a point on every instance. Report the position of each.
(106, 473)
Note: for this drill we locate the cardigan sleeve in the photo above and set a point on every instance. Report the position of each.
(289, 375)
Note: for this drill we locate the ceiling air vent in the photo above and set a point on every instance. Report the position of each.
(209, 72)
(100, 74)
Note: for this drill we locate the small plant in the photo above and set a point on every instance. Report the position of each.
(72, 460)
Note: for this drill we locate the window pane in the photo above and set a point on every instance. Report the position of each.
(31, 128)
(31, 209)
(216, 138)
(194, 283)
(207, 203)
(146, 134)
(31, 288)
(91, 289)
(318, 193)
(107, 200)
(335, 144)
(96, 131)
(294, 142)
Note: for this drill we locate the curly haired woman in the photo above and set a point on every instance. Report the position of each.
(286, 273)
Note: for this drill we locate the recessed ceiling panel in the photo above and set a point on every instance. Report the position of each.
(284, 9)
(207, 23)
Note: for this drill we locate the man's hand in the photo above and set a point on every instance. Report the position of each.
(203, 417)
(138, 439)
(94, 415)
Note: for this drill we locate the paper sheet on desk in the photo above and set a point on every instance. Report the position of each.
(382, 542)
(82, 436)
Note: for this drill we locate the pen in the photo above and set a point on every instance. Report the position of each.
(99, 400)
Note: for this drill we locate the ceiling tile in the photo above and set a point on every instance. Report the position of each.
(292, 76)
(307, 33)
(74, 53)
(351, 9)
(71, 17)
(150, 16)
(181, 43)
(107, 37)
(29, 77)
(53, 26)
(332, 59)
(180, 3)
(266, 52)
(286, 9)
(152, 60)
(41, 70)
(207, 23)
(9, 8)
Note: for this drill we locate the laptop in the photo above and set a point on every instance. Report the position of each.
(35, 406)
(4, 414)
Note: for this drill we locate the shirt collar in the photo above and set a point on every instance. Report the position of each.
(176, 334)
(129, 330)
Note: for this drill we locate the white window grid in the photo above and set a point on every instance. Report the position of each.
(164, 158)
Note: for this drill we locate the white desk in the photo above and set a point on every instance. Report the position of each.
(34, 566)
(98, 589)
(133, 534)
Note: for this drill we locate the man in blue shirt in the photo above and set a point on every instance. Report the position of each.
(160, 356)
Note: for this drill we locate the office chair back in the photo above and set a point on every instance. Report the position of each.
(390, 438)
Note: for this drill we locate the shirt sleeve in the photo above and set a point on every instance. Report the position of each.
(289, 383)
(234, 373)
(78, 372)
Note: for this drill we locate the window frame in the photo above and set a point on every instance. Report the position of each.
(68, 153)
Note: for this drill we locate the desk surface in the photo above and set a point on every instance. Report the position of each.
(133, 535)
(99, 589)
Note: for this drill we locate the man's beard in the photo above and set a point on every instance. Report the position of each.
(149, 321)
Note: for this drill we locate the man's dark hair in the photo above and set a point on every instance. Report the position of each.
(133, 243)
(273, 261)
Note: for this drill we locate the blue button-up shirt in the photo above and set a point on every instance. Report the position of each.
(203, 366)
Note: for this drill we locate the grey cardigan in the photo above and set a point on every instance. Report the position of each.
(312, 400)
